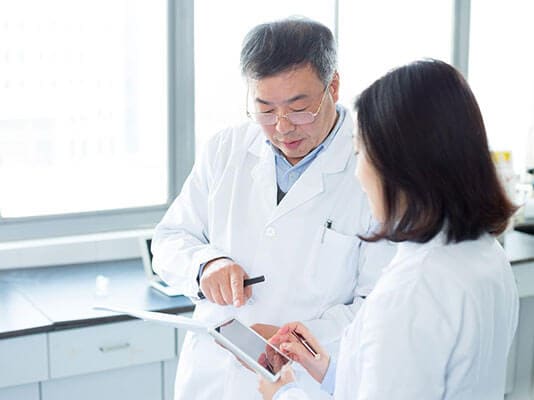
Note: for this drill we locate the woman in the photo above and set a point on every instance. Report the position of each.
(440, 321)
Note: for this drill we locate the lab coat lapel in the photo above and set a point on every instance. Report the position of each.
(264, 174)
(328, 164)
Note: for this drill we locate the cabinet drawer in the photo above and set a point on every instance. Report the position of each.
(142, 382)
(26, 392)
(103, 347)
(23, 360)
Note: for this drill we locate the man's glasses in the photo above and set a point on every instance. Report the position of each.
(296, 118)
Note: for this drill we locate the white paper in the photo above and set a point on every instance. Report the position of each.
(176, 321)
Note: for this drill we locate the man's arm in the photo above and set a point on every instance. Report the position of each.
(180, 244)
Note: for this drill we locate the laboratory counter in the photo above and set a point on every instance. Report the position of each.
(38, 300)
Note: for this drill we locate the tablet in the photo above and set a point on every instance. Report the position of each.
(243, 342)
(251, 348)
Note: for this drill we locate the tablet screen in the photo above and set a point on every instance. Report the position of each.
(253, 345)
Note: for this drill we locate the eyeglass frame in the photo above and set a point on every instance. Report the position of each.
(286, 115)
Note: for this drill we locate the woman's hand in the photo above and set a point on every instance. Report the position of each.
(268, 389)
(291, 346)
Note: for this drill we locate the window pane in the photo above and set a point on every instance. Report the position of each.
(372, 41)
(83, 105)
(219, 89)
(501, 65)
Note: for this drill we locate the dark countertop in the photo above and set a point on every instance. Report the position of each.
(40, 300)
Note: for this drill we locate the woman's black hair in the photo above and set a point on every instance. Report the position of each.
(422, 130)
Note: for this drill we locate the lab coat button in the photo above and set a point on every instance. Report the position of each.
(270, 231)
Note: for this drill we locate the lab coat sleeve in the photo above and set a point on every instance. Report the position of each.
(330, 326)
(293, 393)
(372, 258)
(404, 347)
(181, 244)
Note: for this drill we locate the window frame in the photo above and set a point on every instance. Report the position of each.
(460, 43)
(181, 150)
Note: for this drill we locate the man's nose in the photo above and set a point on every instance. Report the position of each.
(284, 125)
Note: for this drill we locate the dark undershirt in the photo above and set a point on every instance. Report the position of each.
(279, 195)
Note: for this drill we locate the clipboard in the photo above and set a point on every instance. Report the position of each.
(176, 321)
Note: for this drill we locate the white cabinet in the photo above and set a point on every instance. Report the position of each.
(23, 360)
(142, 382)
(20, 392)
(522, 384)
(169, 376)
(110, 346)
(132, 360)
(170, 366)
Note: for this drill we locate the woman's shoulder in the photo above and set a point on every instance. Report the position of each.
(469, 261)
(451, 271)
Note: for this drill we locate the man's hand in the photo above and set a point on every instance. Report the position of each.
(222, 283)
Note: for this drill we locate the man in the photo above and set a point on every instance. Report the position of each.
(275, 197)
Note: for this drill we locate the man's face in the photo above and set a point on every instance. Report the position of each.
(298, 89)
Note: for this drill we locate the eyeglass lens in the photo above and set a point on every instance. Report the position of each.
(296, 118)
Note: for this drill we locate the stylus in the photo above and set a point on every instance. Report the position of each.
(305, 343)
(246, 282)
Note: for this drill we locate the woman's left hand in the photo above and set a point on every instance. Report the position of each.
(268, 389)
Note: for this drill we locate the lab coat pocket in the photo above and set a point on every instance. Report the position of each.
(332, 264)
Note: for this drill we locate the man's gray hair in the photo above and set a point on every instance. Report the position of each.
(275, 47)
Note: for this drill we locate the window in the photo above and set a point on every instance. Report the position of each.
(83, 106)
(501, 74)
(376, 36)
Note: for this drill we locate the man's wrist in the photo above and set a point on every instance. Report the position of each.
(203, 266)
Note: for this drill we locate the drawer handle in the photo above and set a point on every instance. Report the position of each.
(108, 349)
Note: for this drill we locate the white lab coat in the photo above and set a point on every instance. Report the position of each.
(227, 207)
(438, 325)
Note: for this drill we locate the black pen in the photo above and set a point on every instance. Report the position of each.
(327, 225)
(246, 282)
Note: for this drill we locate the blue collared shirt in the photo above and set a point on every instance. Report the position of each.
(287, 174)
(329, 381)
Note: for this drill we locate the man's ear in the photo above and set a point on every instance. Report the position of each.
(334, 87)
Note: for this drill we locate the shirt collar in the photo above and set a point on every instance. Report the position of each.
(408, 249)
